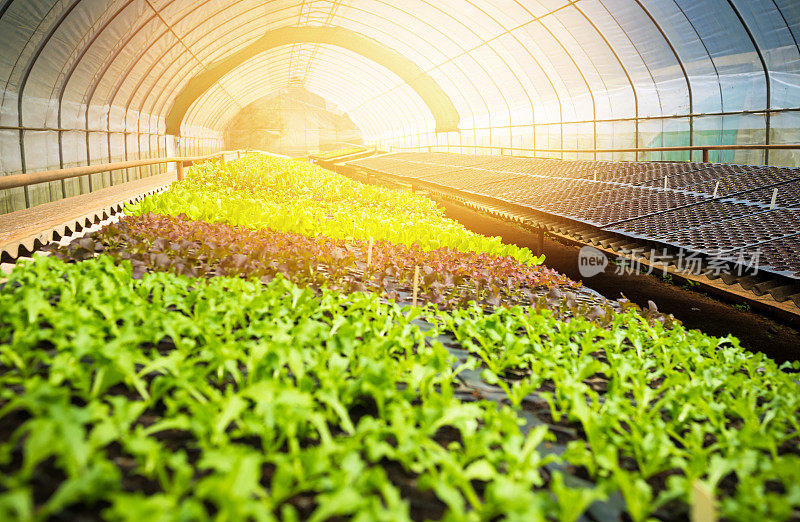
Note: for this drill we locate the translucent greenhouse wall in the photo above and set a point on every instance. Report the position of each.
(602, 74)
(91, 81)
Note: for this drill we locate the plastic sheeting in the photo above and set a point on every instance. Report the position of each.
(89, 81)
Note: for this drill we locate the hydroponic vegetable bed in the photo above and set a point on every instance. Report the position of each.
(269, 340)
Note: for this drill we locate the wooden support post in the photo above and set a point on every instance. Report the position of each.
(705, 156)
(416, 285)
(180, 171)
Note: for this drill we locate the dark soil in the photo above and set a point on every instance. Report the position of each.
(778, 340)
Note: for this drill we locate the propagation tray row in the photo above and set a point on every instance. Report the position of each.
(738, 213)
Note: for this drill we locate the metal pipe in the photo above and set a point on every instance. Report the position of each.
(32, 178)
(705, 148)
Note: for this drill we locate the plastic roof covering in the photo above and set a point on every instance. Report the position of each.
(401, 111)
(98, 76)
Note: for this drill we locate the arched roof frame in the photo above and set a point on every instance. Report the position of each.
(438, 101)
(491, 86)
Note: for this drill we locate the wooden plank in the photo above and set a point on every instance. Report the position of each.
(27, 228)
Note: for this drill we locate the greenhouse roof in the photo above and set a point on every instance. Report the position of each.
(583, 72)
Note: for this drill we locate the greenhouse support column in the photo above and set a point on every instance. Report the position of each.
(61, 161)
(22, 162)
(125, 150)
(88, 156)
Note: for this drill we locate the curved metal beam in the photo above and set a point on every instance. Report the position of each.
(767, 79)
(5, 6)
(680, 63)
(440, 104)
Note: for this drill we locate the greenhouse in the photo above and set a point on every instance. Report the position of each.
(382, 260)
